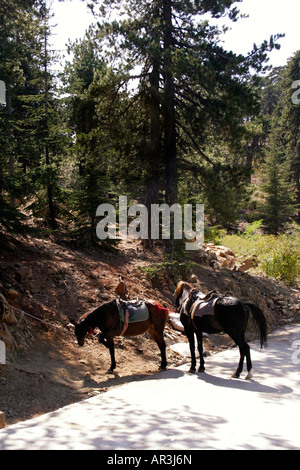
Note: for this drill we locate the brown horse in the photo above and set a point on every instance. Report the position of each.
(106, 317)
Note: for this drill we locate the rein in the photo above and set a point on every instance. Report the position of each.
(90, 330)
(59, 327)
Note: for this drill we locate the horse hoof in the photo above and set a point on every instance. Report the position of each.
(192, 371)
(249, 375)
(201, 369)
(235, 376)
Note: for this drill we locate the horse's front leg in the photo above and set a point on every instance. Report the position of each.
(191, 338)
(111, 347)
(200, 349)
(103, 340)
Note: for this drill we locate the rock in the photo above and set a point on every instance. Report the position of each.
(6, 337)
(283, 303)
(104, 296)
(193, 279)
(174, 318)
(121, 289)
(7, 314)
(2, 420)
(34, 285)
(216, 256)
(231, 286)
(12, 294)
(24, 273)
(296, 318)
(247, 264)
(9, 317)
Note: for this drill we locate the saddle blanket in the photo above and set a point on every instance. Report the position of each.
(132, 312)
(202, 308)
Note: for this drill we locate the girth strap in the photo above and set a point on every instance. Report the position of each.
(131, 311)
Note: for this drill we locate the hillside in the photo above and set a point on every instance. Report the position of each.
(45, 284)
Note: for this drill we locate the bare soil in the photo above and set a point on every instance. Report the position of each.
(45, 368)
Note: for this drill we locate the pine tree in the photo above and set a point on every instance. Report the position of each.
(30, 135)
(19, 38)
(288, 120)
(197, 87)
(282, 116)
(90, 87)
(278, 205)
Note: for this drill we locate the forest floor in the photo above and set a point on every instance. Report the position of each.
(45, 368)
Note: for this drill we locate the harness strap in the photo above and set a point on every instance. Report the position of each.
(125, 323)
(197, 301)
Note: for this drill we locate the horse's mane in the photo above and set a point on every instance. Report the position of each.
(179, 289)
(180, 286)
(95, 310)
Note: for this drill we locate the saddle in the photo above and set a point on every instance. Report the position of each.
(131, 311)
(201, 305)
(202, 308)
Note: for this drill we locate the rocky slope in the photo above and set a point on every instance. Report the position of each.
(45, 284)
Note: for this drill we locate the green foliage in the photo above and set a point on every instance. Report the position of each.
(153, 108)
(174, 270)
(281, 169)
(277, 206)
(214, 234)
(226, 193)
(279, 255)
(284, 266)
(30, 128)
(252, 228)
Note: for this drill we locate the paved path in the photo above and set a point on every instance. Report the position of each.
(176, 410)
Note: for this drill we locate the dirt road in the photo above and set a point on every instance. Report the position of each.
(175, 410)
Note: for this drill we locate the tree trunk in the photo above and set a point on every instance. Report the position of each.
(170, 147)
(170, 154)
(11, 137)
(52, 220)
(297, 184)
(152, 183)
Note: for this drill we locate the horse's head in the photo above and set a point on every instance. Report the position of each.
(81, 330)
(181, 292)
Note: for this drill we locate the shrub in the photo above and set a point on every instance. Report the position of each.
(284, 266)
(279, 255)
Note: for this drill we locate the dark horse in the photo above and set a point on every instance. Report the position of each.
(106, 317)
(230, 315)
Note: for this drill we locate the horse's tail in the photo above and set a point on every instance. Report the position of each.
(260, 322)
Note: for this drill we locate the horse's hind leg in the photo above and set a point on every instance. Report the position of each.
(244, 352)
(249, 362)
(159, 339)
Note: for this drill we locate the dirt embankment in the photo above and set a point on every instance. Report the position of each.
(46, 284)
